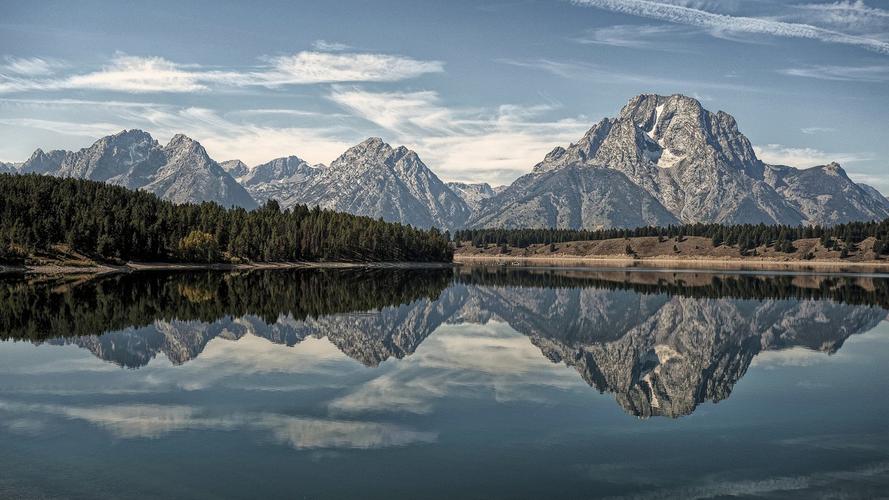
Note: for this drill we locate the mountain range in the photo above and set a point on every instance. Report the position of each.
(181, 171)
(662, 160)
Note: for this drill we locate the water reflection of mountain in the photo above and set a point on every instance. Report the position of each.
(128, 319)
(661, 342)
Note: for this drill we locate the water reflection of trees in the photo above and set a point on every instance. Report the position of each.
(45, 308)
(845, 289)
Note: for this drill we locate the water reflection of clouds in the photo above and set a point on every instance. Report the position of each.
(228, 363)
(21, 358)
(461, 360)
(152, 421)
(824, 484)
(794, 357)
(802, 357)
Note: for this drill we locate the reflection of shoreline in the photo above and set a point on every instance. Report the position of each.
(40, 307)
(849, 289)
(728, 263)
(52, 269)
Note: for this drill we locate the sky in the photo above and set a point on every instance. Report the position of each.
(481, 90)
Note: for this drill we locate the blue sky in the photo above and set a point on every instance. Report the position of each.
(481, 90)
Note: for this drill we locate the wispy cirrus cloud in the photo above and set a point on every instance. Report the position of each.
(137, 74)
(868, 73)
(817, 130)
(124, 73)
(140, 74)
(634, 36)
(579, 70)
(854, 16)
(79, 129)
(724, 23)
(29, 66)
(330, 46)
(323, 67)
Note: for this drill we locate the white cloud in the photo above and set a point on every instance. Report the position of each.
(722, 23)
(285, 112)
(124, 73)
(817, 130)
(326, 46)
(316, 139)
(855, 16)
(139, 74)
(324, 67)
(64, 103)
(250, 142)
(136, 74)
(472, 144)
(878, 181)
(872, 73)
(779, 154)
(80, 129)
(29, 66)
(635, 36)
(400, 112)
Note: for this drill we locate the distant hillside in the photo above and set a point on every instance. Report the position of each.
(850, 242)
(689, 248)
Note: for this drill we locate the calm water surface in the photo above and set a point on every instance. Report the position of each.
(476, 383)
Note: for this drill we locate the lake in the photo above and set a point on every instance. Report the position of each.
(473, 382)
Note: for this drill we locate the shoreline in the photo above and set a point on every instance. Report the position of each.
(615, 262)
(130, 267)
(621, 262)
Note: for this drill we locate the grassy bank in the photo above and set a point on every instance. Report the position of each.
(691, 251)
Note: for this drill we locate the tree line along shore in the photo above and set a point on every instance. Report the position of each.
(53, 221)
(45, 218)
(848, 242)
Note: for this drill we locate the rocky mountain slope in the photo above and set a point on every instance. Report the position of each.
(573, 197)
(369, 337)
(376, 180)
(282, 179)
(694, 163)
(181, 171)
(235, 168)
(825, 194)
(472, 194)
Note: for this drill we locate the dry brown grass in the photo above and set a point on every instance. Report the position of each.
(691, 250)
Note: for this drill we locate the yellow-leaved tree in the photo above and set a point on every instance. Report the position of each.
(199, 246)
